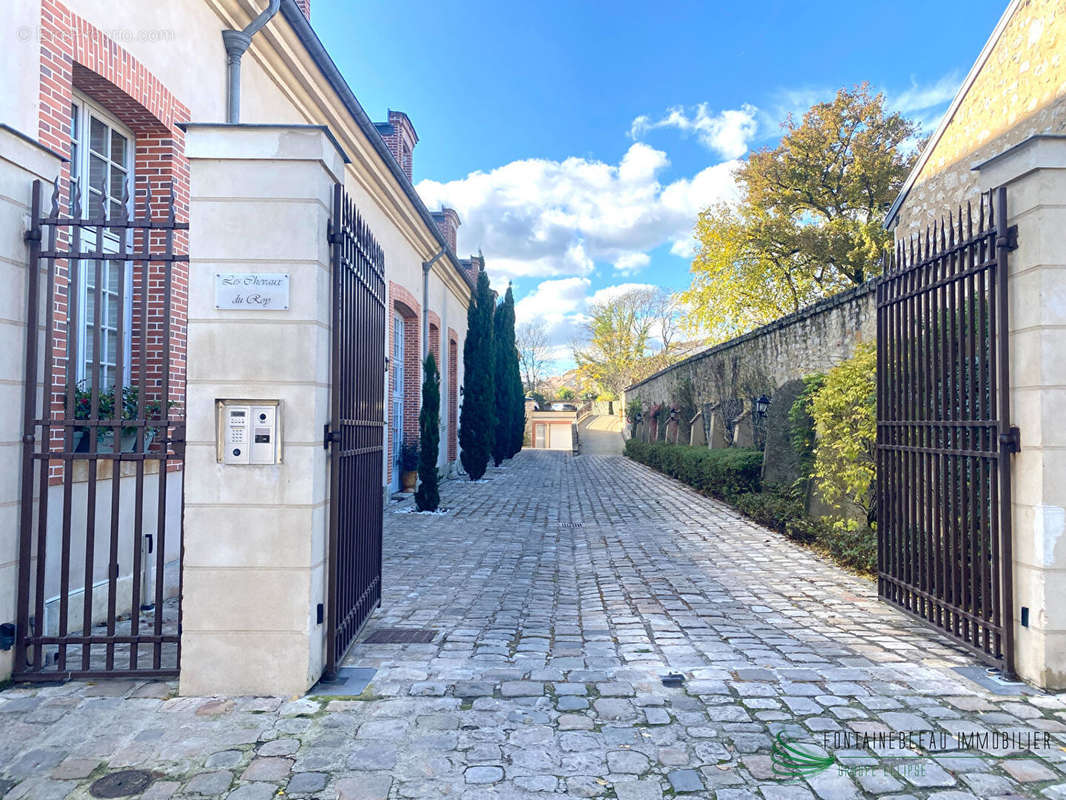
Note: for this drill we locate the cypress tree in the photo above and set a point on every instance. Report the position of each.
(477, 424)
(427, 498)
(518, 393)
(505, 361)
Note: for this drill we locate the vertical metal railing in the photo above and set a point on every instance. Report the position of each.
(85, 430)
(944, 437)
(355, 434)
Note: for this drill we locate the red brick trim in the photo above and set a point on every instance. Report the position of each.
(403, 302)
(453, 394)
(77, 55)
(434, 336)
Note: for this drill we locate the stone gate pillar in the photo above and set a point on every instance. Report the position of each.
(255, 534)
(1034, 173)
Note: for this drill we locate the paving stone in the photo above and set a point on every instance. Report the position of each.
(368, 786)
(267, 769)
(657, 716)
(1025, 770)
(638, 790)
(74, 768)
(572, 703)
(628, 761)
(685, 780)
(160, 790)
(307, 783)
(574, 722)
(253, 791)
(614, 709)
(483, 775)
(585, 786)
(209, 783)
(521, 689)
(279, 747)
(372, 757)
(224, 758)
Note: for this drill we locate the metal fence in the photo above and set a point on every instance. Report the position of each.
(943, 434)
(103, 440)
(355, 435)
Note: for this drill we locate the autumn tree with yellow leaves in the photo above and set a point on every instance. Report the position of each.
(810, 221)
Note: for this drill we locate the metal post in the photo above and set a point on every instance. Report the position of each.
(1007, 436)
(33, 238)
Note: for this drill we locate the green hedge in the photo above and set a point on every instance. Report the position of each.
(724, 474)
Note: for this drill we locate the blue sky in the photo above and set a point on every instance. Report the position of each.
(578, 140)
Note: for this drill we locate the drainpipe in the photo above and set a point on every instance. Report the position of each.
(426, 267)
(237, 43)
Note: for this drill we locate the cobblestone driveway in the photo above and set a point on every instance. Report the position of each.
(562, 590)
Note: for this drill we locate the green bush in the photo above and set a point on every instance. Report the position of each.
(845, 417)
(724, 474)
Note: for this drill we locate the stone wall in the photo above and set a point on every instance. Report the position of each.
(1020, 91)
(725, 379)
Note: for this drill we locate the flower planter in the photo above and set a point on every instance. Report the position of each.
(409, 480)
(105, 440)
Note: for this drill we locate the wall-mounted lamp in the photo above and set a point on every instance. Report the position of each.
(761, 404)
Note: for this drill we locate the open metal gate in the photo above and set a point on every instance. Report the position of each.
(99, 577)
(944, 438)
(355, 435)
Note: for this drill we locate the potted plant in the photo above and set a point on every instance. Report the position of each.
(105, 434)
(409, 466)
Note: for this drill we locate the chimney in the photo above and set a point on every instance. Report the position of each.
(400, 137)
(448, 222)
(305, 6)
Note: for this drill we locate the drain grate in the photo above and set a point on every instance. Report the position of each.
(121, 784)
(401, 636)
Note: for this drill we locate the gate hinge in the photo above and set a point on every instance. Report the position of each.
(32, 235)
(1011, 240)
(1011, 441)
(329, 436)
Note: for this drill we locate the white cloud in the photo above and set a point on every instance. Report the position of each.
(923, 103)
(560, 306)
(921, 97)
(547, 219)
(608, 293)
(628, 263)
(727, 132)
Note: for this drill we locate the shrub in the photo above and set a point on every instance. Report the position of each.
(477, 417)
(427, 498)
(409, 456)
(801, 430)
(724, 474)
(845, 417)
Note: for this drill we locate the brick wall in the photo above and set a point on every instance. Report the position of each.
(304, 6)
(453, 395)
(403, 302)
(1020, 91)
(434, 336)
(447, 220)
(400, 137)
(77, 56)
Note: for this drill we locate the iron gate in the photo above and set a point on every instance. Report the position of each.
(943, 434)
(355, 435)
(99, 578)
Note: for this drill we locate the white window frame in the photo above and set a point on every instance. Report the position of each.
(85, 109)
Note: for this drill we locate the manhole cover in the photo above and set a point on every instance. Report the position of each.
(401, 636)
(121, 784)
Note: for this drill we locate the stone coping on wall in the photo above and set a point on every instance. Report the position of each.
(813, 310)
